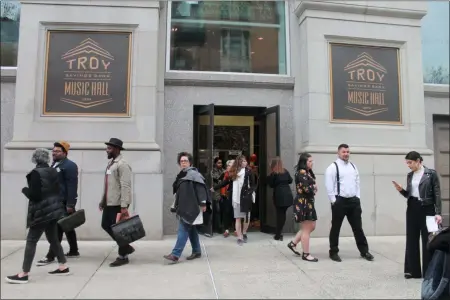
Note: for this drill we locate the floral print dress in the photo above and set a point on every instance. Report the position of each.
(304, 209)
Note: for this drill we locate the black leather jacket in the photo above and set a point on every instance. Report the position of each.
(429, 189)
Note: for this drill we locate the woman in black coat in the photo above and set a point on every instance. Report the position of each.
(279, 180)
(45, 208)
(424, 201)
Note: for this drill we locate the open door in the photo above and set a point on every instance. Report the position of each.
(203, 140)
(203, 152)
(270, 148)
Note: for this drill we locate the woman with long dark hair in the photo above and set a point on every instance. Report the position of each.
(424, 201)
(279, 180)
(217, 176)
(226, 207)
(304, 210)
(242, 189)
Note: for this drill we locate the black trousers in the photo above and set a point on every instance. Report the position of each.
(108, 219)
(216, 217)
(415, 227)
(226, 213)
(33, 236)
(281, 219)
(71, 239)
(350, 208)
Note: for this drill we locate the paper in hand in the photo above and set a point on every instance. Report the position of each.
(432, 225)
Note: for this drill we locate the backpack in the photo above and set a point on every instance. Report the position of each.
(435, 285)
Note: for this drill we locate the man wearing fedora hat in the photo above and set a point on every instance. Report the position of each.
(116, 195)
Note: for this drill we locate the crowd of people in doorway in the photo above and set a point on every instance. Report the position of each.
(52, 194)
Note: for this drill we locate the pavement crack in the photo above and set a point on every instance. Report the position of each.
(93, 274)
(382, 255)
(11, 253)
(301, 270)
(210, 270)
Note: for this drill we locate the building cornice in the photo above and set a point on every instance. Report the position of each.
(357, 8)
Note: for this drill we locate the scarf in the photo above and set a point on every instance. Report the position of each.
(223, 191)
(237, 187)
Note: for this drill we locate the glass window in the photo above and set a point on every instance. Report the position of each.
(435, 49)
(228, 36)
(10, 17)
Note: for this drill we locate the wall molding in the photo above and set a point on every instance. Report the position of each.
(436, 90)
(323, 149)
(8, 74)
(352, 8)
(129, 146)
(209, 79)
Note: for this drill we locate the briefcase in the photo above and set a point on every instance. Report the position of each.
(128, 231)
(72, 221)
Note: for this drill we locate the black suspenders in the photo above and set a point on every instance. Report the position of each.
(337, 178)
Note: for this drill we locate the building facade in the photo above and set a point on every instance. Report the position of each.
(219, 78)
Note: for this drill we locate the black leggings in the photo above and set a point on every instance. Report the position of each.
(34, 234)
(281, 219)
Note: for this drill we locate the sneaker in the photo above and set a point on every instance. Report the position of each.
(245, 238)
(45, 261)
(240, 242)
(171, 258)
(60, 272)
(367, 256)
(194, 256)
(119, 262)
(226, 234)
(72, 254)
(16, 279)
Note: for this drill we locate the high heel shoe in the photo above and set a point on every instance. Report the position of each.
(305, 257)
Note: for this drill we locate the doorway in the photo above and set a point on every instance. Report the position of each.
(228, 131)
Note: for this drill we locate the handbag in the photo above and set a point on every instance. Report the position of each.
(128, 230)
(72, 221)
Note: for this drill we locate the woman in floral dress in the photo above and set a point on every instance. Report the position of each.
(304, 210)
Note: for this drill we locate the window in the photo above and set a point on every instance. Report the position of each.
(228, 36)
(435, 49)
(10, 17)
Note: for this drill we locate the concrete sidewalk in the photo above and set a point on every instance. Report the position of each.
(261, 269)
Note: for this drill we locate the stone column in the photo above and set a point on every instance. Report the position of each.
(378, 150)
(137, 127)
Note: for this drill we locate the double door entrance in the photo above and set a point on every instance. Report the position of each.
(228, 131)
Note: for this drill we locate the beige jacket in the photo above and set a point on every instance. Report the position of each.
(117, 184)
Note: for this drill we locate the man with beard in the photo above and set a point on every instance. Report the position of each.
(117, 195)
(343, 188)
(68, 182)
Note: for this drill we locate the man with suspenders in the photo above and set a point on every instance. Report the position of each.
(343, 188)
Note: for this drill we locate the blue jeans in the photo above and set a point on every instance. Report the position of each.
(185, 232)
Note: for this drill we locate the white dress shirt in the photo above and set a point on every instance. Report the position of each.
(415, 181)
(348, 179)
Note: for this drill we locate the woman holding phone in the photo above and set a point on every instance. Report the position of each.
(424, 201)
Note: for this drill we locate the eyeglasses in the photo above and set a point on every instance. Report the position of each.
(184, 160)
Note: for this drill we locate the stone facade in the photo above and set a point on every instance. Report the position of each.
(162, 108)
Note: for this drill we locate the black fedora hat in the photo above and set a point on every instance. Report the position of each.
(115, 142)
